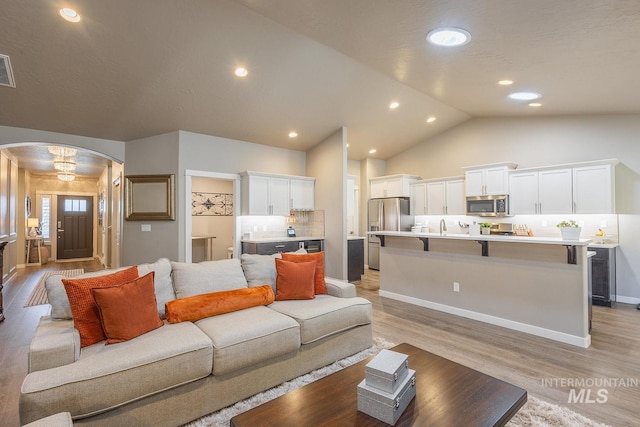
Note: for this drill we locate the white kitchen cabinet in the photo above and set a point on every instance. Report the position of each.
(455, 195)
(391, 186)
(270, 194)
(418, 202)
(554, 191)
(442, 197)
(488, 180)
(540, 192)
(302, 193)
(593, 189)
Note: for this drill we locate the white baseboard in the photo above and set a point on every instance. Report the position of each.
(583, 342)
(627, 300)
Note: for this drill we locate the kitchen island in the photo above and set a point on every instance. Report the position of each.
(537, 285)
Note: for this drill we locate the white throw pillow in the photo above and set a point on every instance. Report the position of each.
(207, 276)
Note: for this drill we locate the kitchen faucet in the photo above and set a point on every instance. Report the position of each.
(443, 226)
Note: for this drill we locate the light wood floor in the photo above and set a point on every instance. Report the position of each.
(512, 356)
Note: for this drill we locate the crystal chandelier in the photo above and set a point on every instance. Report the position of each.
(62, 151)
(66, 176)
(64, 165)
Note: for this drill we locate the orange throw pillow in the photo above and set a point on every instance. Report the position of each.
(318, 257)
(295, 280)
(128, 310)
(191, 309)
(86, 317)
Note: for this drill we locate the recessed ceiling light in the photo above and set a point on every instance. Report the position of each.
(372, 151)
(293, 134)
(431, 119)
(241, 72)
(394, 105)
(448, 37)
(505, 82)
(535, 104)
(69, 14)
(524, 96)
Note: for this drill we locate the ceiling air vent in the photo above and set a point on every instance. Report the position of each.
(6, 73)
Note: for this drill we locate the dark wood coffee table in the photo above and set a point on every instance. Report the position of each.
(447, 394)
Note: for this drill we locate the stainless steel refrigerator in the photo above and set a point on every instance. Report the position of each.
(389, 214)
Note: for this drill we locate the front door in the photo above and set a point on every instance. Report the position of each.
(75, 227)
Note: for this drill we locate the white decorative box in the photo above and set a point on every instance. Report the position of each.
(387, 370)
(387, 407)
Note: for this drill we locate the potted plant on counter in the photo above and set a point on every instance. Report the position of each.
(570, 230)
(485, 228)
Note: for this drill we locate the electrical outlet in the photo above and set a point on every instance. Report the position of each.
(456, 287)
(544, 223)
(603, 223)
(264, 228)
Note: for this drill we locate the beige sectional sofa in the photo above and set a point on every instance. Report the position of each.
(182, 371)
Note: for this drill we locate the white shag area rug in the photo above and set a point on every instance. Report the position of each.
(535, 412)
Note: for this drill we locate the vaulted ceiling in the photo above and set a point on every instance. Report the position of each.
(129, 70)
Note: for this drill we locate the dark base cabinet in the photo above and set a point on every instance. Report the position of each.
(355, 254)
(603, 276)
(269, 248)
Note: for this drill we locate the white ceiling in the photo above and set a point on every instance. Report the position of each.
(135, 69)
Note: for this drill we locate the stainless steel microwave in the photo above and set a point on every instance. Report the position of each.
(488, 205)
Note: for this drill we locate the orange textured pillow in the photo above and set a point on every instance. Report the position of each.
(318, 257)
(295, 280)
(198, 307)
(128, 310)
(86, 317)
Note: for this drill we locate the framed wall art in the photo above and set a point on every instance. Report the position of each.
(149, 197)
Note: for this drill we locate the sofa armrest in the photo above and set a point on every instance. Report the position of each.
(340, 288)
(55, 343)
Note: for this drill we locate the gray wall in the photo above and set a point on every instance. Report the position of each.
(157, 155)
(327, 162)
(542, 141)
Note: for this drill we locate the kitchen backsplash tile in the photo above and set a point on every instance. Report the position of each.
(266, 227)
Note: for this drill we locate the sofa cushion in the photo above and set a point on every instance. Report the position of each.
(260, 269)
(129, 310)
(262, 335)
(105, 377)
(198, 307)
(86, 317)
(295, 280)
(208, 276)
(325, 315)
(318, 257)
(162, 282)
(57, 295)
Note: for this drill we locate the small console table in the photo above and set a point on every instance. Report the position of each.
(37, 240)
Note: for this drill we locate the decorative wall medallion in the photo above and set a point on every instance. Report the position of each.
(213, 204)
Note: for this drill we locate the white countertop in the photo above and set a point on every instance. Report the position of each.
(282, 239)
(488, 238)
(350, 237)
(603, 245)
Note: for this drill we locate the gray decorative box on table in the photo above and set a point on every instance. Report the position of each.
(387, 407)
(388, 387)
(387, 370)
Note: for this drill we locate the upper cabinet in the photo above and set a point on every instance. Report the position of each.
(302, 193)
(594, 189)
(488, 180)
(438, 197)
(391, 186)
(270, 194)
(586, 188)
(541, 192)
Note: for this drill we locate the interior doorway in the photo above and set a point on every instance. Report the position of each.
(211, 216)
